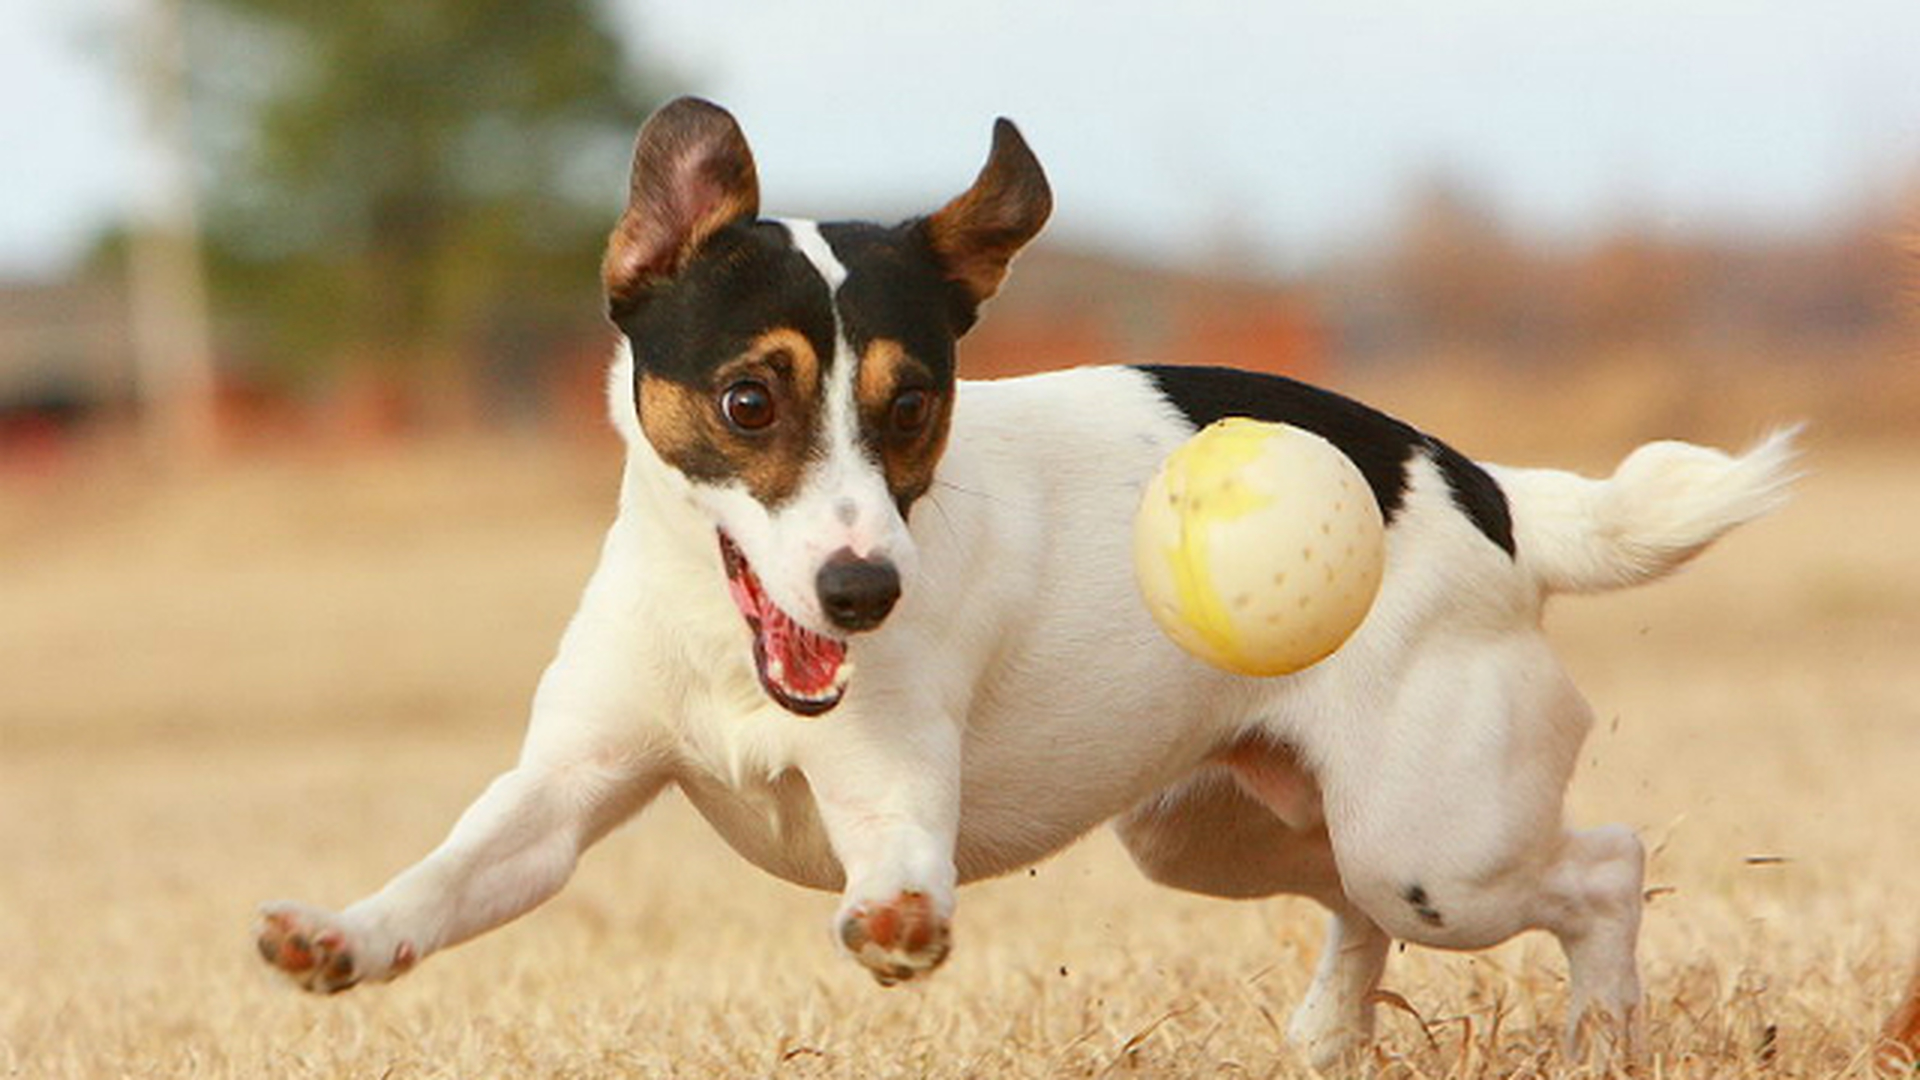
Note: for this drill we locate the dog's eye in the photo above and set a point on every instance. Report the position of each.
(748, 405)
(910, 411)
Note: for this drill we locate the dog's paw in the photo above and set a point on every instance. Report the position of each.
(320, 953)
(1331, 1029)
(897, 939)
(1331, 1047)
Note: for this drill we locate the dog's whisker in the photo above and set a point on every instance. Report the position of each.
(965, 490)
(945, 518)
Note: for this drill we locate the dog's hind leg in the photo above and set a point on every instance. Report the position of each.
(1335, 1019)
(1249, 827)
(1591, 899)
(1446, 818)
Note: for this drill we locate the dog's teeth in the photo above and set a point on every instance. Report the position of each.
(842, 677)
(776, 670)
(815, 697)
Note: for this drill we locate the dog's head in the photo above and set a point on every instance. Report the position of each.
(800, 376)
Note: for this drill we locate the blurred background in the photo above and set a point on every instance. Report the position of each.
(247, 224)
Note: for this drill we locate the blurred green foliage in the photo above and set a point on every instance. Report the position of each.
(397, 183)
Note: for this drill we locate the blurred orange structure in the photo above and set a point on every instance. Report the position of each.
(1065, 308)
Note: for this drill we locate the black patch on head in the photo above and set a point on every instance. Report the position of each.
(1378, 444)
(747, 279)
(898, 301)
(896, 289)
(1416, 896)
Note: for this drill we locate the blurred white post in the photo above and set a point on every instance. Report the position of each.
(172, 339)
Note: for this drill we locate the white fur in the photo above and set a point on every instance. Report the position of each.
(808, 241)
(1430, 754)
(1664, 505)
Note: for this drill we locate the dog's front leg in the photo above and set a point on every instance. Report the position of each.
(592, 758)
(511, 850)
(889, 796)
(589, 762)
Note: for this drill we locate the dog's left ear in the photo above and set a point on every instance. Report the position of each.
(692, 175)
(977, 234)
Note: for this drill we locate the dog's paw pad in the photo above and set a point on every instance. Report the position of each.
(306, 945)
(898, 939)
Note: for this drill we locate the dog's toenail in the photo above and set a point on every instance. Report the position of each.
(852, 934)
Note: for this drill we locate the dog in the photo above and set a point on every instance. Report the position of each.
(879, 625)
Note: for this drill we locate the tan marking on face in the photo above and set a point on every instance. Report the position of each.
(907, 461)
(688, 428)
(880, 371)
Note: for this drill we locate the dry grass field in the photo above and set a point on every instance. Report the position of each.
(285, 678)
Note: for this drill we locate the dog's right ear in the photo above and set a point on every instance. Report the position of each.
(692, 175)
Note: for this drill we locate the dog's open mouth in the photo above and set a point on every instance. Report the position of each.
(805, 672)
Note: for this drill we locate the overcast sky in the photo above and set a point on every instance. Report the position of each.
(1285, 130)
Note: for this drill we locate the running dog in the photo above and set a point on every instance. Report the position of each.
(879, 625)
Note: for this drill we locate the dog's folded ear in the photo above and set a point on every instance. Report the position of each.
(977, 234)
(692, 175)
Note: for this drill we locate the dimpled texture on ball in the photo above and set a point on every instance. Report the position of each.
(1259, 547)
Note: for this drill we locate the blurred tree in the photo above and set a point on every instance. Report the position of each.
(1632, 288)
(393, 185)
(1457, 273)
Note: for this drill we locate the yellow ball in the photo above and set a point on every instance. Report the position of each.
(1259, 547)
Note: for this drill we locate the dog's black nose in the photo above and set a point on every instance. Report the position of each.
(857, 593)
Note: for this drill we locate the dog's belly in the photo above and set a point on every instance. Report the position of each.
(1016, 808)
(1209, 835)
(775, 826)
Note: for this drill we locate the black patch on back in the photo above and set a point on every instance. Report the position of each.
(1378, 444)
(1477, 494)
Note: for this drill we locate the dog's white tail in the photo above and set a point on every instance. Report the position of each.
(1664, 504)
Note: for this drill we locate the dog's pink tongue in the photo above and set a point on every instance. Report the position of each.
(807, 662)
